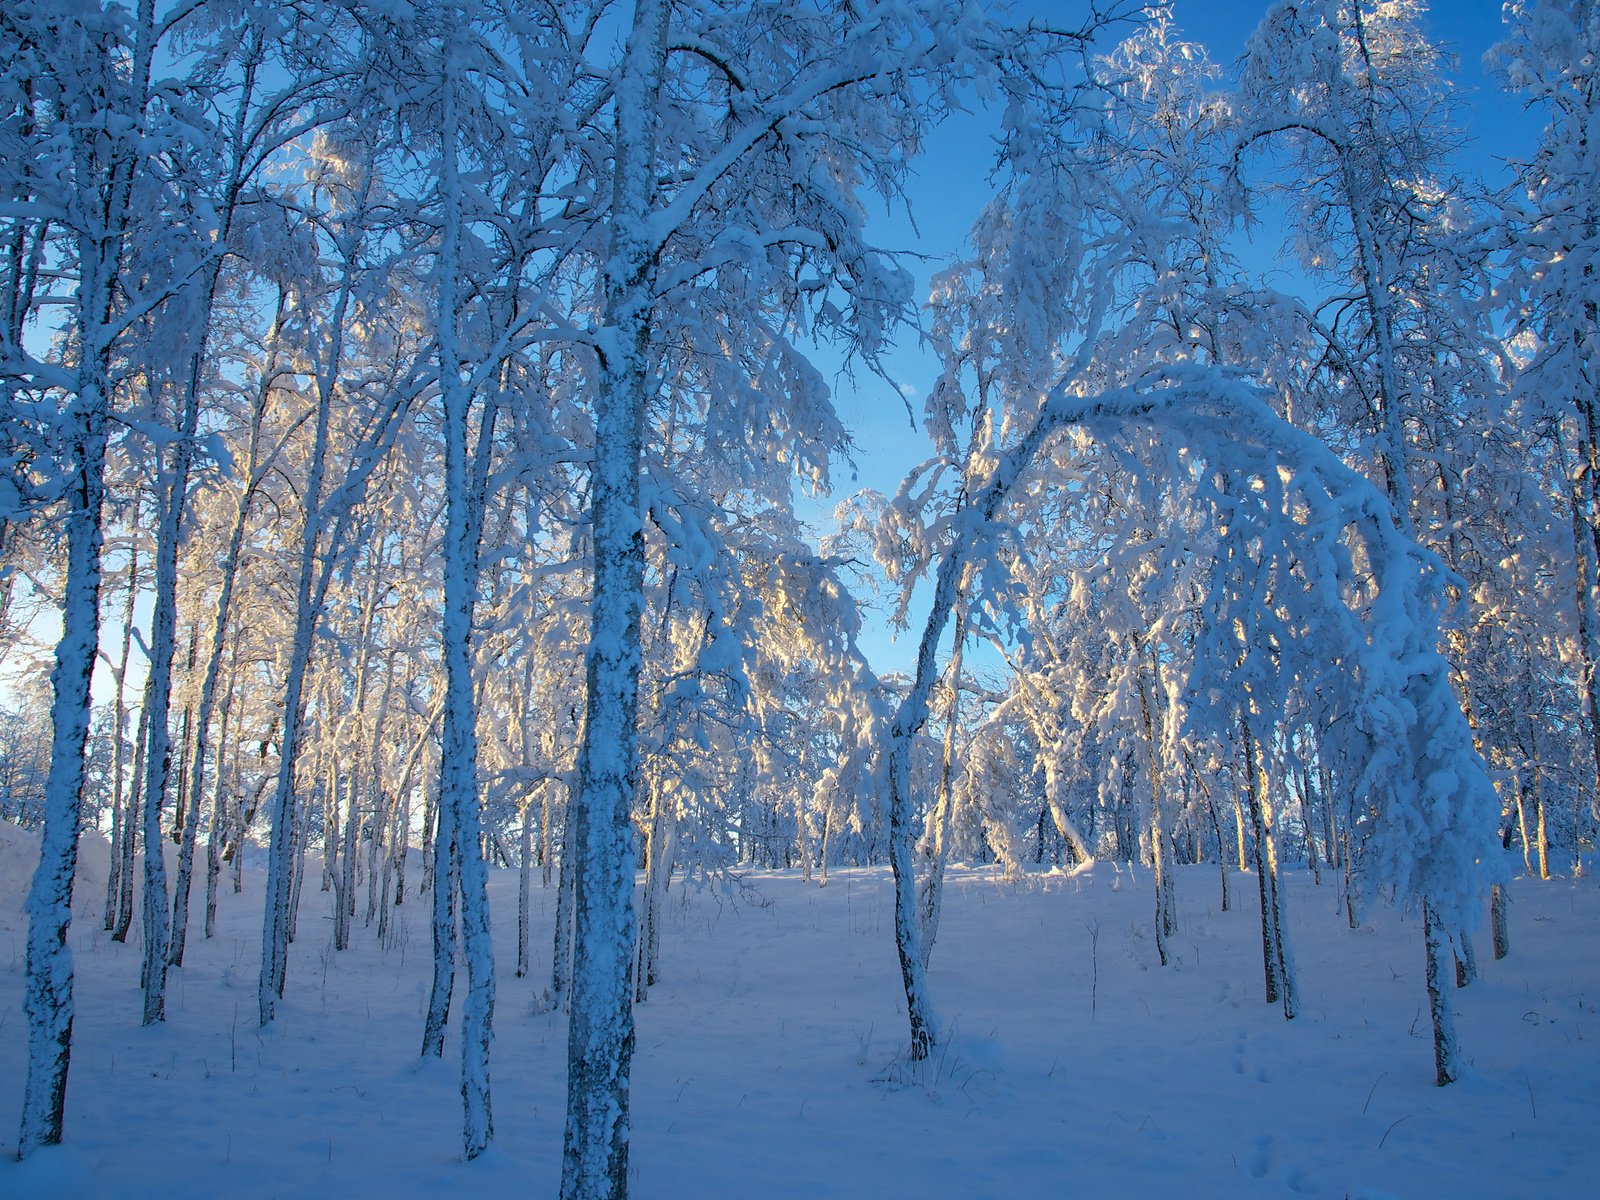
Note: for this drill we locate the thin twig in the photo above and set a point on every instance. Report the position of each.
(1390, 1130)
(1375, 1084)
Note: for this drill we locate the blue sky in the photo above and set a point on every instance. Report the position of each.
(950, 187)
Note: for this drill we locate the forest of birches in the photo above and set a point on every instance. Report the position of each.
(419, 418)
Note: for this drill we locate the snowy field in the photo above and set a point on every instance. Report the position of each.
(767, 1059)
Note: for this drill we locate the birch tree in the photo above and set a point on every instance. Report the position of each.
(800, 114)
(1549, 56)
(79, 177)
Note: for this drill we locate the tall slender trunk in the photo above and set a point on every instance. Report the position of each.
(1238, 831)
(344, 886)
(187, 832)
(1313, 861)
(1497, 921)
(1216, 829)
(1466, 960)
(47, 995)
(377, 832)
(1280, 977)
(601, 1032)
(403, 812)
(172, 496)
(1349, 885)
(659, 851)
(1522, 786)
(1330, 841)
(458, 748)
(130, 837)
(547, 856)
(121, 824)
(561, 940)
(443, 897)
(48, 999)
(1222, 853)
(299, 839)
(930, 892)
(1446, 1067)
(1541, 829)
(524, 883)
(221, 810)
(827, 838)
(1166, 922)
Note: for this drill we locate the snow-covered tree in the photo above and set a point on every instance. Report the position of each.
(1550, 57)
(98, 202)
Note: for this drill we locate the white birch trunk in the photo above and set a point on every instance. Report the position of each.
(524, 884)
(662, 843)
(912, 715)
(103, 187)
(1265, 864)
(601, 1032)
(931, 891)
(1445, 1057)
(443, 898)
(121, 827)
(47, 996)
(172, 493)
(458, 750)
(561, 941)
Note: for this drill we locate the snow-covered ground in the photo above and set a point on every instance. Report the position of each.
(768, 1061)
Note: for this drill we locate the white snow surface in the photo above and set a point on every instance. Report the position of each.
(768, 1059)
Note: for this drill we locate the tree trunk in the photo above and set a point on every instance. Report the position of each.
(547, 856)
(1280, 981)
(1349, 884)
(130, 836)
(1497, 921)
(1238, 831)
(561, 947)
(102, 174)
(1541, 834)
(221, 809)
(1166, 923)
(47, 996)
(601, 1032)
(1521, 780)
(443, 895)
(299, 837)
(658, 868)
(1445, 1065)
(1466, 960)
(1222, 853)
(458, 747)
(344, 879)
(935, 837)
(121, 826)
(524, 897)
(172, 494)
